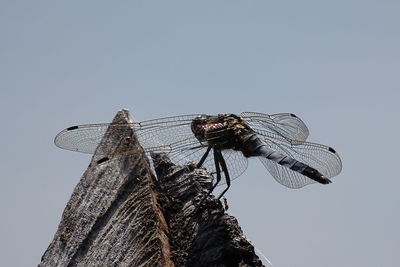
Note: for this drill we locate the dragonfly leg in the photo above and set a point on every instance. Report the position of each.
(218, 171)
(203, 158)
(221, 160)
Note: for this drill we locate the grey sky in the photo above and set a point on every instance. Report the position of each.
(335, 64)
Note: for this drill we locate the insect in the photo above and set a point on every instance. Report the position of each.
(222, 143)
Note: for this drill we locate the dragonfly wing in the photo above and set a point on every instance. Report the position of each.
(152, 134)
(235, 162)
(286, 125)
(286, 176)
(85, 138)
(191, 149)
(323, 158)
(175, 131)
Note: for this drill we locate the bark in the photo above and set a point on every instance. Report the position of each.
(119, 214)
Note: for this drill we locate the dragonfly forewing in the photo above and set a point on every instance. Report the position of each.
(153, 135)
(85, 138)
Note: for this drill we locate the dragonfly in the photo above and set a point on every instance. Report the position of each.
(222, 144)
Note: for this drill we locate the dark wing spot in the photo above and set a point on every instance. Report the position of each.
(332, 150)
(102, 160)
(291, 114)
(72, 128)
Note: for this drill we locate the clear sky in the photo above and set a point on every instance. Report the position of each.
(335, 64)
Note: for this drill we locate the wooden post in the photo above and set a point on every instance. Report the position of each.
(120, 214)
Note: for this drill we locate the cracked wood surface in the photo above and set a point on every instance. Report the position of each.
(119, 214)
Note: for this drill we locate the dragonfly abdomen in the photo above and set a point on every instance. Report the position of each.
(255, 147)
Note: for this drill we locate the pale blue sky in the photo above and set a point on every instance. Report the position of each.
(335, 64)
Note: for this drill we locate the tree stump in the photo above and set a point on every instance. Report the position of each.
(120, 214)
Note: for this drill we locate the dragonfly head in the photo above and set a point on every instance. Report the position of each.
(199, 126)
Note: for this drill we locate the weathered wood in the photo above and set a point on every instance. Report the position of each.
(120, 215)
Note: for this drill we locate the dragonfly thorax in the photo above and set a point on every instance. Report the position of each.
(224, 131)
